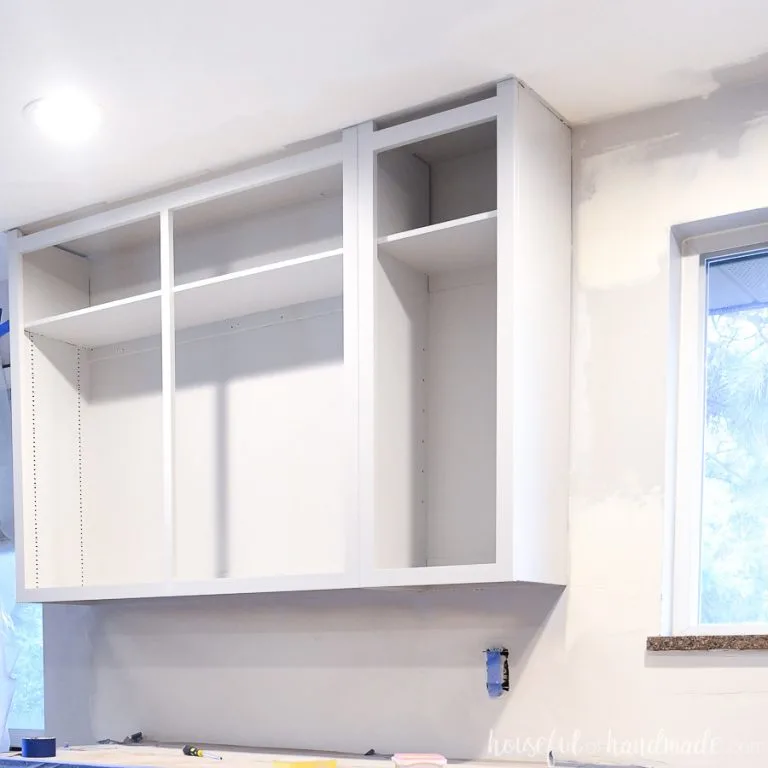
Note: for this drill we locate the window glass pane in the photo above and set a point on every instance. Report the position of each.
(734, 531)
(21, 626)
(22, 638)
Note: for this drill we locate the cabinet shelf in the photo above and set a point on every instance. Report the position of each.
(259, 289)
(457, 244)
(110, 323)
(271, 286)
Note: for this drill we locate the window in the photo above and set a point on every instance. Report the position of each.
(720, 565)
(21, 625)
(24, 640)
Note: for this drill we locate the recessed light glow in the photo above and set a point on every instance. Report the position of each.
(69, 118)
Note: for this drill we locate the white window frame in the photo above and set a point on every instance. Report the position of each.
(690, 257)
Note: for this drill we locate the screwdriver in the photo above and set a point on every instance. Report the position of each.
(188, 749)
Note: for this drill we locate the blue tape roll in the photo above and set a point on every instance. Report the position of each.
(38, 746)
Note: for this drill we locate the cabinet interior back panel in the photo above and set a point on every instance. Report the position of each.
(256, 240)
(461, 420)
(54, 282)
(461, 186)
(402, 309)
(260, 449)
(121, 262)
(126, 274)
(122, 468)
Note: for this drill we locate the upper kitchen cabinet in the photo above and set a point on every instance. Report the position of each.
(465, 261)
(344, 367)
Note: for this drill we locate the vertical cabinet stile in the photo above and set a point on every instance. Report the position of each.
(20, 415)
(168, 346)
(366, 226)
(350, 195)
(505, 314)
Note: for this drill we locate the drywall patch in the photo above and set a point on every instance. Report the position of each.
(624, 188)
(600, 530)
(751, 70)
(582, 436)
(618, 405)
(698, 125)
(622, 229)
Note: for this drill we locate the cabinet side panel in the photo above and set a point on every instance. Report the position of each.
(122, 469)
(461, 466)
(402, 306)
(54, 282)
(403, 192)
(541, 297)
(52, 534)
(260, 446)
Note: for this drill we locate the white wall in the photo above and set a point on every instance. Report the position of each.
(403, 671)
(69, 672)
(345, 671)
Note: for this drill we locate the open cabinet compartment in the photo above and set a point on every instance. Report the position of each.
(259, 454)
(95, 393)
(437, 181)
(435, 364)
(96, 290)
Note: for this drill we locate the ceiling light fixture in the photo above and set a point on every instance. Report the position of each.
(69, 118)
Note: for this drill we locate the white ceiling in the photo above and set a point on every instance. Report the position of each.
(190, 86)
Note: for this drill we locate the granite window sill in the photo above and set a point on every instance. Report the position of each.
(661, 644)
